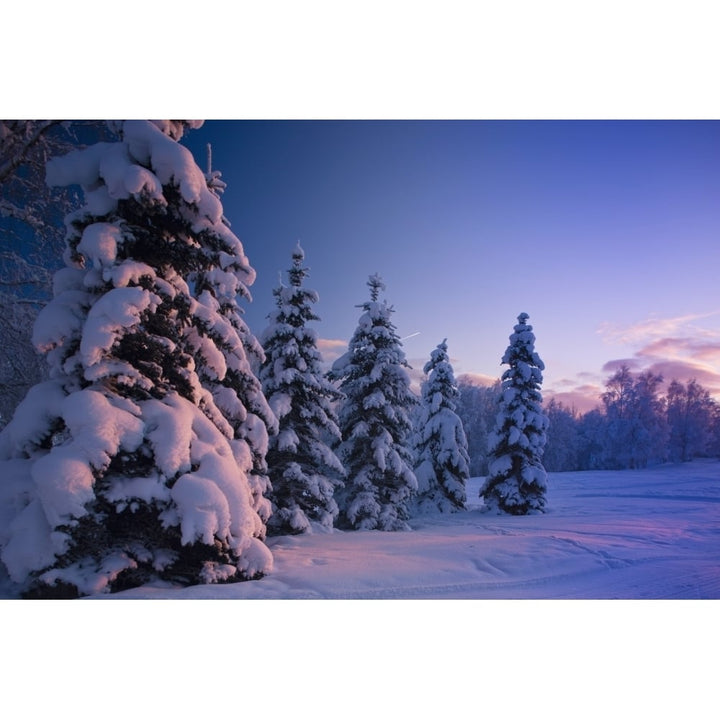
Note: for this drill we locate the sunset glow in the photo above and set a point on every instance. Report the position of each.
(605, 232)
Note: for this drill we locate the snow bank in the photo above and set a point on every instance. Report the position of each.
(635, 534)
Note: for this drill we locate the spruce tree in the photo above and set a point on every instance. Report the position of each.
(375, 423)
(442, 465)
(304, 471)
(517, 480)
(236, 389)
(134, 460)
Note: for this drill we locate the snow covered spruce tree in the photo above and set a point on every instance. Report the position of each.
(31, 241)
(517, 480)
(236, 389)
(304, 471)
(134, 460)
(375, 423)
(442, 462)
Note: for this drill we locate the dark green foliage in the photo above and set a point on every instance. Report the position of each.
(304, 471)
(376, 447)
(135, 472)
(517, 481)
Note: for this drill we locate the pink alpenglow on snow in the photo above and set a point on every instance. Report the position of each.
(631, 534)
(143, 456)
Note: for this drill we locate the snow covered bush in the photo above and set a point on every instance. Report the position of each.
(442, 465)
(374, 422)
(134, 461)
(304, 471)
(517, 480)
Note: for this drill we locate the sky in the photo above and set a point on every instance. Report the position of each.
(605, 232)
(602, 230)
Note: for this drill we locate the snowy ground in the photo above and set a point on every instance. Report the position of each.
(643, 534)
(647, 534)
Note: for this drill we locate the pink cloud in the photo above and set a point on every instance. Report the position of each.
(655, 327)
(612, 366)
(678, 358)
(677, 347)
(477, 379)
(672, 357)
(683, 370)
(583, 398)
(708, 353)
(330, 349)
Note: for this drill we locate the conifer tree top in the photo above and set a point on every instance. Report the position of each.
(438, 355)
(297, 273)
(376, 284)
(522, 348)
(298, 253)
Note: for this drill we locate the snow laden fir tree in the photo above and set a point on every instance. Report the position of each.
(517, 480)
(442, 466)
(304, 471)
(138, 459)
(375, 423)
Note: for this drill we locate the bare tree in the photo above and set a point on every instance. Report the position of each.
(32, 235)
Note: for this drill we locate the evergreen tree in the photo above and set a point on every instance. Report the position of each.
(374, 422)
(236, 389)
(442, 467)
(517, 480)
(304, 471)
(133, 461)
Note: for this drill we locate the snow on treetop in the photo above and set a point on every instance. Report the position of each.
(438, 355)
(376, 284)
(298, 253)
(148, 158)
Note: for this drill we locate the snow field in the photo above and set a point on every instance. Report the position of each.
(633, 534)
(644, 534)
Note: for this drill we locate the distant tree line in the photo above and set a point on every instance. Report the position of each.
(635, 425)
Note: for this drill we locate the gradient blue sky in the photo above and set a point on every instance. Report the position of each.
(605, 232)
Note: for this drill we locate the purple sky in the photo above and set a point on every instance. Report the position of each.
(605, 232)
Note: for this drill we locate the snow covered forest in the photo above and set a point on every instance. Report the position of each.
(151, 439)
(639, 421)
